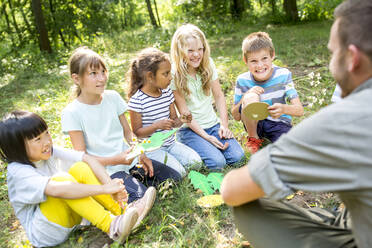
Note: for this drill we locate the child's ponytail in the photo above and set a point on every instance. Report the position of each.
(135, 78)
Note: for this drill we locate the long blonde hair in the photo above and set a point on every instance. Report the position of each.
(80, 60)
(179, 55)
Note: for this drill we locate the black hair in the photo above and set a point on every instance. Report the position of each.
(15, 128)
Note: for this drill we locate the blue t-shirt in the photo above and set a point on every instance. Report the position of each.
(278, 88)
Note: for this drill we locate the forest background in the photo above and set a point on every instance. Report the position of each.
(37, 37)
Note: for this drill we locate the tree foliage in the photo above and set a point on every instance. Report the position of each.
(56, 25)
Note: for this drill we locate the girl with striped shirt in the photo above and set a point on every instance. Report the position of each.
(151, 105)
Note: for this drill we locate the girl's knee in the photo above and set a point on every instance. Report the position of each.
(81, 168)
(63, 177)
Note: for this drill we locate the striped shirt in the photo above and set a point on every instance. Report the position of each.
(153, 109)
(278, 89)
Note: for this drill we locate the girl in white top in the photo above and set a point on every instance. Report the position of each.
(51, 190)
(96, 123)
(151, 105)
(195, 85)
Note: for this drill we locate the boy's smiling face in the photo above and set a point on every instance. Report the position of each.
(260, 64)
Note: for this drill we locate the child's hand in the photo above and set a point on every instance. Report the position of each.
(225, 133)
(216, 142)
(256, 89)
(121, 158)
(167, 124)
(116, 185)
(186, 117)
(121, 198)
(146, 165)
(276, 110)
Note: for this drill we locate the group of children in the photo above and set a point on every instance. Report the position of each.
(52, 189)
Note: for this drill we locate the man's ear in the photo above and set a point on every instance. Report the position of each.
(354, 58)
(273, 56)
(75, 78)
(245, 60)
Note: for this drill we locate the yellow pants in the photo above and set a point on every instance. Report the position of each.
(69, 212)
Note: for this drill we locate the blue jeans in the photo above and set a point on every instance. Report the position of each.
(213, 157)
(166, 158)
(134, 183)
(184, 154)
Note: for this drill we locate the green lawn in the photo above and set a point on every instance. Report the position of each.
(42, 85)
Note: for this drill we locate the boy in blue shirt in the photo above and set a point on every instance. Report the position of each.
(265, 82)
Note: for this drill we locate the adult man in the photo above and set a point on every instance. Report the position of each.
(330, 151)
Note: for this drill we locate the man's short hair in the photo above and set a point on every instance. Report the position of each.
(355, 22)
(255, 42)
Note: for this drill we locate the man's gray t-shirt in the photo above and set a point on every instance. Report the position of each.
(26, 186)
(328, 152)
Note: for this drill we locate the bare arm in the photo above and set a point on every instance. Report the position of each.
(142, 132)
(238, 187)
(235, 110)
(182, 108)
(78, 143)
(72, 190)
(293, 109)
(128, 135)
(220, 100)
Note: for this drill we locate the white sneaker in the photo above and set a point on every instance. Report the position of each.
(143, 205)
(122, 225)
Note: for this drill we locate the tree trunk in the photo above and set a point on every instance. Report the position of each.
(14, 21)
(44, 43)
(273, 7)
(21, 5)
(157, 13)
(151, 14)
(55, 24)
(6, 18)
(290, 8)
(237, 8)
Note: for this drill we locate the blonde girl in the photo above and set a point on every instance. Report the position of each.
(151, 105)
(96, 123)
(52, 189)
(195, 86)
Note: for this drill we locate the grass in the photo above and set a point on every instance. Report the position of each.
(41, 84)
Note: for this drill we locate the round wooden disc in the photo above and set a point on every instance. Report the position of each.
(256, 111)
(210, 201)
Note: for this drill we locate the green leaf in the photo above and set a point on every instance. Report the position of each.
(200, 181)
(215, 180)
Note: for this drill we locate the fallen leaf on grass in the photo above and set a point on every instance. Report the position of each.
(15, 225)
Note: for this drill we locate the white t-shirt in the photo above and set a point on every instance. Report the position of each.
(26, 186)
(100, 124)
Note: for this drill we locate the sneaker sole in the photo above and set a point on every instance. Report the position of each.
(150, 196)
(130, 219)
